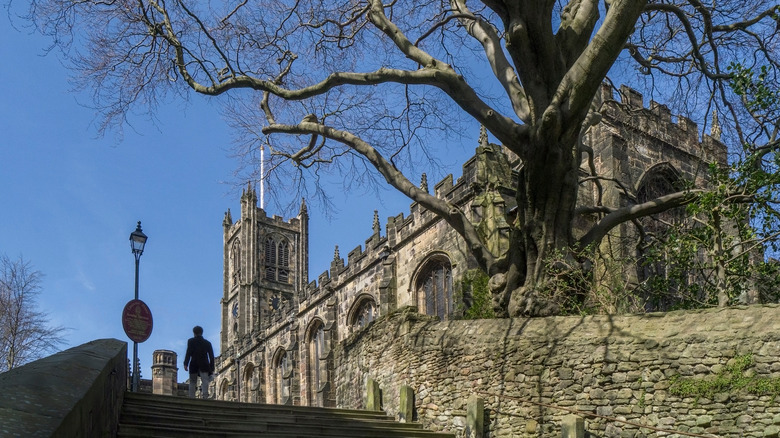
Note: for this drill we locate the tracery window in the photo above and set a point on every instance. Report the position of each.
(316, 375)
(249, 384)
(282, 377)
(277, 260)
(235, 262)
(434, 288)
(660, 287)
(364, 313)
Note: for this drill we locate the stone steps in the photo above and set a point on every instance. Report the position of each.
(152, 416)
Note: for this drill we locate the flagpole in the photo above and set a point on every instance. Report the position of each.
(262, 177)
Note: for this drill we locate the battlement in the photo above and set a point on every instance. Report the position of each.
(481, 171)
(658, 121)
(230, 227)
(398, 229)
(164, 358)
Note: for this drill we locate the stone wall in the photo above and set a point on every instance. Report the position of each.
(613, 370)
(265, 321)
(74, 393)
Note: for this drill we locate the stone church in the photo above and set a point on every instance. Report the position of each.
(279, 324)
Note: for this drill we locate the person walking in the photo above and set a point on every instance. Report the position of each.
(199, 361)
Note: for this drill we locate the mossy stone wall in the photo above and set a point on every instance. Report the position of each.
(533, 372)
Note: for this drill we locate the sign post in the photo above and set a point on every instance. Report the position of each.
(137, 322)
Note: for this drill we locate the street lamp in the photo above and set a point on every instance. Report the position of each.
(137, 243)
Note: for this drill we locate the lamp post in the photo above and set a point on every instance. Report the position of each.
(137, 242)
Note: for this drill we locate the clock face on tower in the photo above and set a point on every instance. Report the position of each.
(235, 310)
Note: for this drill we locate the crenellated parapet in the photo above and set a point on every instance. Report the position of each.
(280, 329)
(487, 171)
(488, 180)
(658, 122)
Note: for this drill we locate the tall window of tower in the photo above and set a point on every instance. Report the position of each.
(316, 374)
(283, 376)
(434, 288)
(235, 262)
(277, 260)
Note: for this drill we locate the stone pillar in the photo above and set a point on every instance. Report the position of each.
(406, 408)
(475, 417)
(573, 426)
(164, 372)
(387, 285)
(373, 396)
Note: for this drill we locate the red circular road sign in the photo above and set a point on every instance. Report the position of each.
(137, 320)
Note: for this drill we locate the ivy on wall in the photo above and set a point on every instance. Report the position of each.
(473, 296)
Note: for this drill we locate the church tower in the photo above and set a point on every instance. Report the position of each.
(265, 270)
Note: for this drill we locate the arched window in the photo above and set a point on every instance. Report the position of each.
(270, 259)
(277, 260)
(661, 290)
(282, 377)
(316, 373)
(249, 383)
(363, 313)
(434, 288)
(235, 262)
(223, 390)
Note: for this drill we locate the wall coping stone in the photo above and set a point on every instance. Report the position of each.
(73, 393)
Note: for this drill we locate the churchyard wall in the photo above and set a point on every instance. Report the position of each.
(700, 372)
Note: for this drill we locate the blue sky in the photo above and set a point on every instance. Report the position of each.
(70, 199)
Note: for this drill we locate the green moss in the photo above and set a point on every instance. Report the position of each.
(733, 379)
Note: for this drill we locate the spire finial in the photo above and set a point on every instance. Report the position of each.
(248, 193)
(228, 218)
(375, 225)
(424, 183)
(336, 255)
(304, 211)
(715, 130)
(483, 137)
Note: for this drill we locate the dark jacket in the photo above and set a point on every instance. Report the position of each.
(199, 356)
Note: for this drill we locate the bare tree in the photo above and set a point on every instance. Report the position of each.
(25, 334)
(327, 85)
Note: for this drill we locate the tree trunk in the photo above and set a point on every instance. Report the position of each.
(720, 256)
(546, 198)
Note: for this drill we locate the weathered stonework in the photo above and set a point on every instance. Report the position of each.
(288, 340)
(165, 373)
(74, 393)
(531, 372)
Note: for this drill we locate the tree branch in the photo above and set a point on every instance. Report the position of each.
(581, 82)
(625, 214)
(578, 19)
(445, 78)
(502, 69)
(447, 211)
